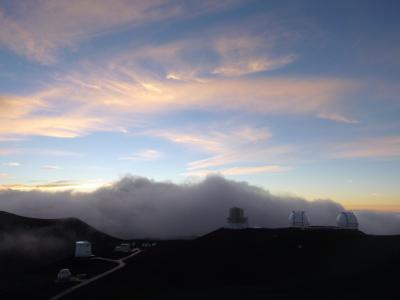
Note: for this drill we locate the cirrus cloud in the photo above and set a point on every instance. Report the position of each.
(38, 29)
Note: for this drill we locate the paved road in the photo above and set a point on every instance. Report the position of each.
(120, 264)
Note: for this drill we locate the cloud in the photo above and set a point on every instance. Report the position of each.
(379, 222)
(386, 147)
(145, 155)
(204, 143)
(139, 207)
(31, 246)
(62, 184)
(256, 154)
(12, 164)
(228, 144)
(242, 55)
(13, 107)
(8, 151)
(63, 126)
(4, 175)
(58, 152)
(42, 113)
(122, 91)
(51, 167)
(56, 186)
(239, 171)
(337, 118)
(217, 53)
(254, 65)
(215, 140)
(10, 139)
(38, 29)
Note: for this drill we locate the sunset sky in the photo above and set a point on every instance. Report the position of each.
(297, 97)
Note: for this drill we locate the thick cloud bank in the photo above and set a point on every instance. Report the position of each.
(138, 207)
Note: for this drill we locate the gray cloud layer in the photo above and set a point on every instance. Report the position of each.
(139, 207)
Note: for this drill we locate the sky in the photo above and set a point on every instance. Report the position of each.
(297, 97)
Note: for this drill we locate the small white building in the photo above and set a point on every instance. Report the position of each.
(83, 249)
(146, 244)
(64, 275)
(299, 219)
(347, 219)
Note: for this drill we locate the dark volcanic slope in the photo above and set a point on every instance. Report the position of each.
(317, 263)
(30, 243)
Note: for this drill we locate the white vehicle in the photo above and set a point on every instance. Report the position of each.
(124, 247)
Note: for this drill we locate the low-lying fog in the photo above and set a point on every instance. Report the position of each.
(139, 207)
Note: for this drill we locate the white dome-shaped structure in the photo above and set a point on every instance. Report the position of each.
(64, 275)
(83, 249)
(299, 219)
(347, 219)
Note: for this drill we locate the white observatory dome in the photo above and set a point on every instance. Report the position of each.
(299, 219)
(64, 275)
(347, 219)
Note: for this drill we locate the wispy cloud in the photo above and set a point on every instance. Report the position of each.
(51, 167)
(240, 171)
(215, 140)
(257, 153)
(146, 155)
(12, 164)
(99, 96)
(336, 117)
(108, 108)
(64, 126)
(8, 151)
(242, 55)
(55, 186)
(12, 107)
(34, 151)
(229, 145)
(191, 140)
(58, 152)
(10, 139)
(123, 90)
(40, 28)
(387, 147)
(254, 65)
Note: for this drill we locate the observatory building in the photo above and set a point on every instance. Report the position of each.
(83, 249)
(236, 219)
(64, 275)
(347, 220)
(299, 219)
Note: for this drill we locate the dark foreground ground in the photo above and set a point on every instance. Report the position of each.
(260, 264)
(315, 263)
